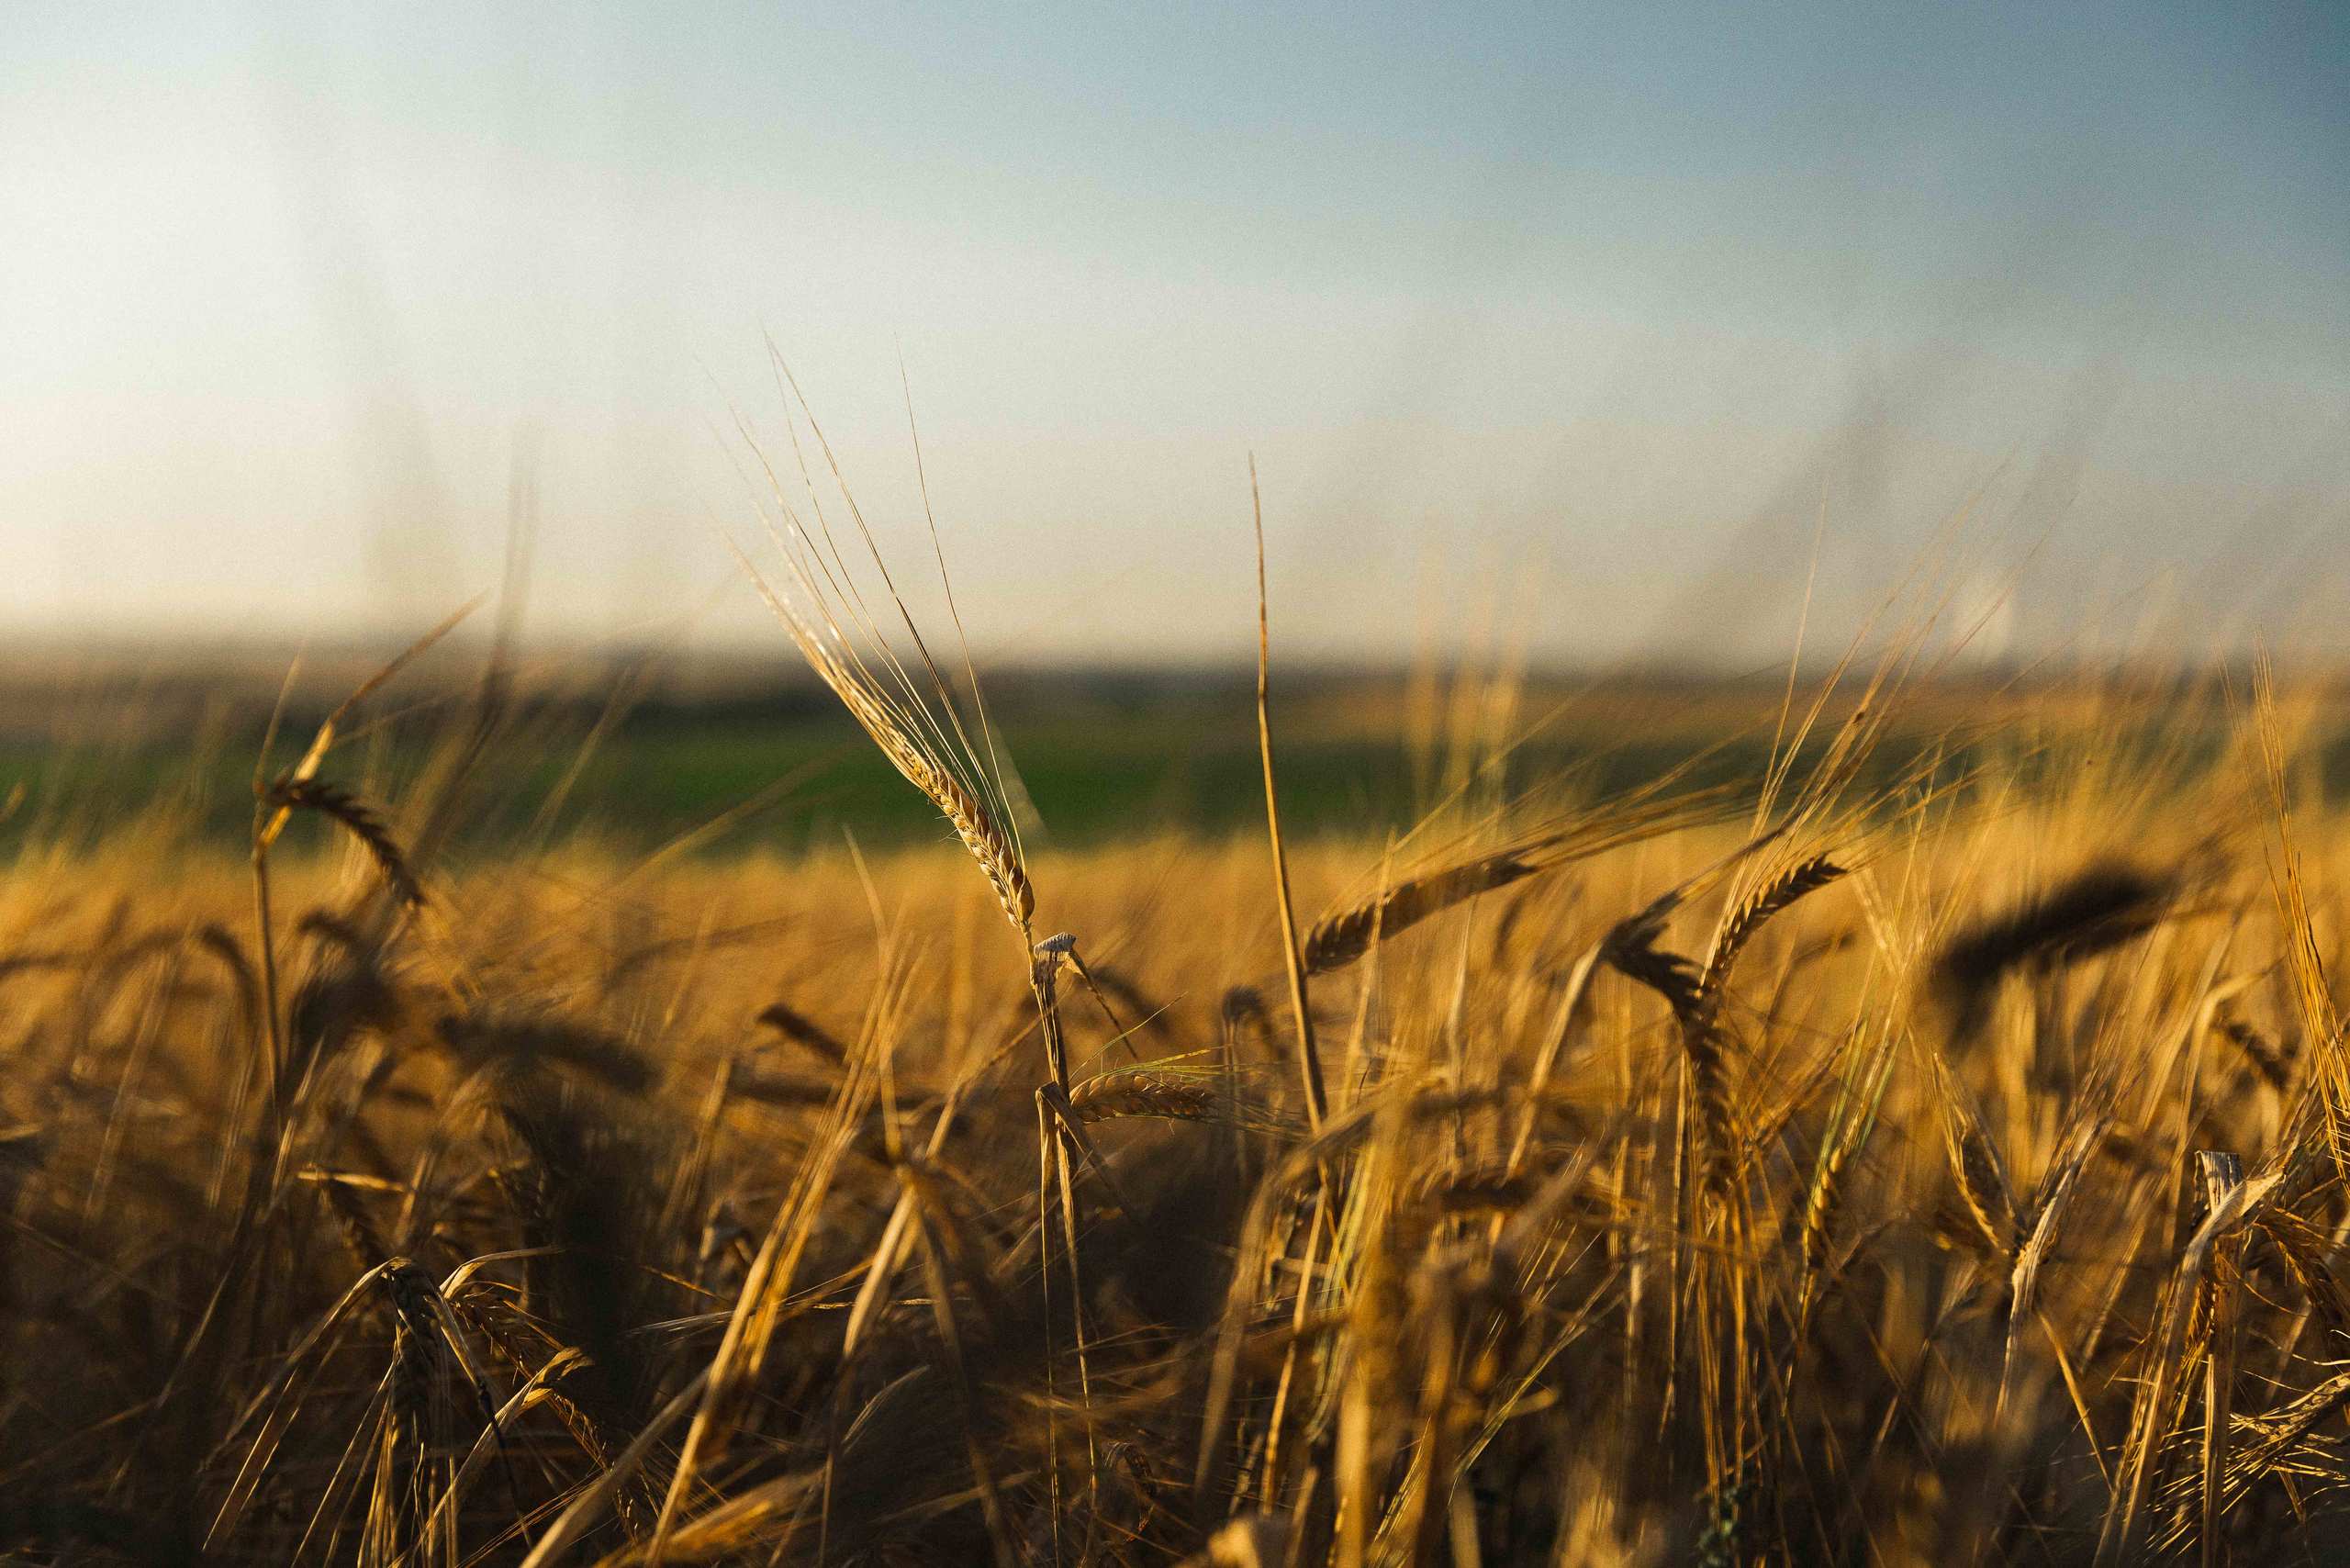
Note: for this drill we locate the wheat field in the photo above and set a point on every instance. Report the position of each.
(1931, 1164)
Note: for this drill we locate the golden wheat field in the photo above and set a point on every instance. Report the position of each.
(685, 881)
(1930, 1165)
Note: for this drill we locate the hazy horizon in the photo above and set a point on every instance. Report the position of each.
(1579, 328)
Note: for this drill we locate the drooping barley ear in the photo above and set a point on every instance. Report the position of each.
(996, 853)
(1630, 947)
(271, 813)
(428, 1326)
(921, 733)
(1134, 1092)
(1179, 1094)
(917, 723)
(1487, 1189)
(801, 1030)
(517, 1042)
(2091, 912)
(1695, 992)
(921, 762)
(1338, 940)
(334, 800)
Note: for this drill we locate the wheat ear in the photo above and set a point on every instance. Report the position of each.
(333, 800)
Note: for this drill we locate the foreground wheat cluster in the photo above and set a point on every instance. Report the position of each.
(1932, 1162)
(1912, 1174)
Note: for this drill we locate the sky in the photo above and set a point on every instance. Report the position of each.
(1605, 330)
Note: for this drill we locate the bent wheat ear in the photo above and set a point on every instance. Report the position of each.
(902, 724)
(910, 712)
(2096, 910)
(1170, 1093)
(1339, 939)
(333, 800)
(1178, 1097)
(1630, 948)
(801, 1029)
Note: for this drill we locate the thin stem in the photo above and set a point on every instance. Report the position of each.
(1309, 1063)
(274, 1040)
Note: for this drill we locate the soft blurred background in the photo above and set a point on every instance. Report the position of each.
(1579, 339)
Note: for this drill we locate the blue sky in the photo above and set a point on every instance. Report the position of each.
(1595, 315)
